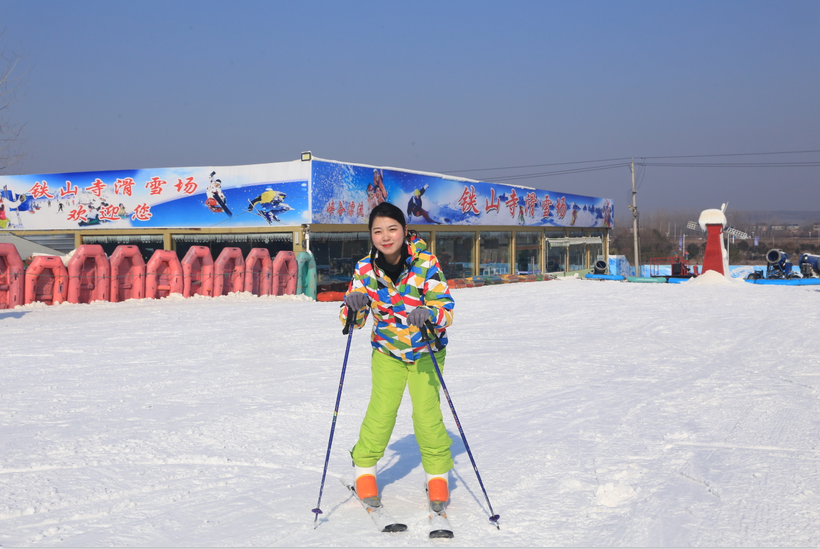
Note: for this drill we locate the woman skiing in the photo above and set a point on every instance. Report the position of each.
(402, 284)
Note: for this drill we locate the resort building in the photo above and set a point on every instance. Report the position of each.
(322, 206)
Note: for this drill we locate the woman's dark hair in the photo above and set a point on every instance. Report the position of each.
(386, 209)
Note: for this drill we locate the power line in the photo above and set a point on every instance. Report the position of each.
(642, 168)
(559, 172)
(642, 165)
(579, 170)
(537, 165)
(736, 154)
(734, 164)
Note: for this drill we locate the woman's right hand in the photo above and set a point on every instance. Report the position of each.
(357, 300)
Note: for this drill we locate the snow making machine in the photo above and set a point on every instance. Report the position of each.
(809, 265)
(779, 265)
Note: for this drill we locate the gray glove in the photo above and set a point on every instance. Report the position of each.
(357, 300)
(419, 316)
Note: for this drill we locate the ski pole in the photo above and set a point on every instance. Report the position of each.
(351, 318)
(426, 338)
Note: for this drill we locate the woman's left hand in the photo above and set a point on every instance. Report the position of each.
(419, 316)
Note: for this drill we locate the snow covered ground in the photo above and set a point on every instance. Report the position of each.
(599, 413)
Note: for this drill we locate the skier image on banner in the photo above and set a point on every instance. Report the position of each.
(414, 207)
(402, 285)
(607, 214)
(269, 205)
(216, 201)
(376, 191)
(4, 221)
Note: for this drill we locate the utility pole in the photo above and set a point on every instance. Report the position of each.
(634, 208)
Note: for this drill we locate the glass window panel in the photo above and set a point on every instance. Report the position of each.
(455, 253)
(596, 251)
(527, 252)
(556, 259)
(273, 242)
(495, 253)
(336, 258)
(577, 257)
(147, 244)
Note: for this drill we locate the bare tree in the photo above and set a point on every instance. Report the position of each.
(12, 79)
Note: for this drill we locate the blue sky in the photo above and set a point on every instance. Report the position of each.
(433, 86)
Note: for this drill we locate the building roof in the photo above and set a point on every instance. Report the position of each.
(26, 247)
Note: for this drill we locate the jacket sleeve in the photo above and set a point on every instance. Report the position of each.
(437, 296)
(356, 285)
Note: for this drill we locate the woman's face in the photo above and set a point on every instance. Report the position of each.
(388, 236)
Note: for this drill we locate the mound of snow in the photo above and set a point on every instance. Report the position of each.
(709, 278)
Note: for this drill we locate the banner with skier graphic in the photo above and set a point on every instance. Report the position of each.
(259, 195)
(345, 193)
(284, 193)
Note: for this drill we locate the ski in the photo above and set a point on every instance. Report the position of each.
(384, 522)
(222, 203)
(260, 214)
(439, 524)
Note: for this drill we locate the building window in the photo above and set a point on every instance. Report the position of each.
(147, 244)
(577, 257)
(556, 257)
(273, 242)
(596, 249)
(425, 235)
(555, 246)
(336, 256)
(456, 253)
(527, 252)
(494, 248)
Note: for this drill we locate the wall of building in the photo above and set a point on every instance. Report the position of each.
(464, 253)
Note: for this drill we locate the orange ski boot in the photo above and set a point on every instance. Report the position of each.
(438, 492)
(366, 487)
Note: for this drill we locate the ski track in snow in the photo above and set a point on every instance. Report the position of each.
(599, 414)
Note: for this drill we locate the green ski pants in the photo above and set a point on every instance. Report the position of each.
(390, 377)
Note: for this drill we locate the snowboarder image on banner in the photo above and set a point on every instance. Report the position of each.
(402, 284)
(24, 203)
(376, 191)
(216, 200)
(269, 205)
(414, 207)
(92, 217)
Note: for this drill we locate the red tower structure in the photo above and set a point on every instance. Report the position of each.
(714, 257)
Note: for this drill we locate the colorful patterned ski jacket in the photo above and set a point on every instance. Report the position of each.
(421, 284)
